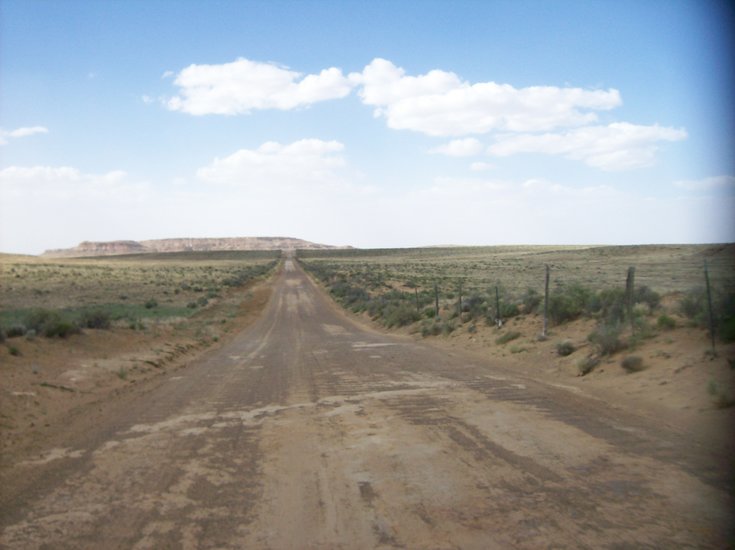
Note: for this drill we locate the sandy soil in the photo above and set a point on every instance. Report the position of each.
(681, 381)
(308, 430)
(53, 380)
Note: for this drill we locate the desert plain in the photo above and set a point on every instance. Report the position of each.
(368, 399)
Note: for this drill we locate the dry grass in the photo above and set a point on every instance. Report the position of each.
(664, 268)
(132, 287)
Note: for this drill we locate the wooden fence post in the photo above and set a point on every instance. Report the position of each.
(436, 300)
(498, 321)
(460, 298)
(709, 308)
(416, 290)
(546, 302)
(629, 296)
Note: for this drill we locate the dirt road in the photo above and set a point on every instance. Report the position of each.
(307, 431)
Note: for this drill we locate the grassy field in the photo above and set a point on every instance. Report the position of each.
(516, 268)
(396, 286)
(123, 289)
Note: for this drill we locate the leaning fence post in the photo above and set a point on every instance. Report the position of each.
(709, 307)
(546, 302)
(629, 297)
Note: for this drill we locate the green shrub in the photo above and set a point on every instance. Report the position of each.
(507, 337)
(727, 329)
(644, 295)
(150, 304)
(50, 324)
(569, 303)
(587, 365)
(95, 319)
(2, 335)
(15, 330)
(606, 338)
(474, 306)
(62, 329)
(565, 348)
(632, 363)
(726, 317)
(448, 327)
(611, 305)
(531, 300)
(722, 398)
(399, 315)
(14, 351)
(642, 331)
(664, 322)
(38, 319)
(508, 310)
(693, 305)
(430, 328)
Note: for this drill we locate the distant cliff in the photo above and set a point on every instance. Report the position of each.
(115, 248)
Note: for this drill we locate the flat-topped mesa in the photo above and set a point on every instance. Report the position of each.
(233, 243)
(89, 248)
(115, 248)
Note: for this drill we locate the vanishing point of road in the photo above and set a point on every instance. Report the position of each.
(309, 431)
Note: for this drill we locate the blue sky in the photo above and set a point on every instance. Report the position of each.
(366, 123)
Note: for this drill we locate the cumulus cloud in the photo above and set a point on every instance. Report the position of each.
(21, 132)
(715, 183)
(439, 103)
(617, 146)
(467, 147)
(306, 160)
(243, 86)
(536, 119)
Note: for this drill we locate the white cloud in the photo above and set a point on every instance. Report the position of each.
(272, 164)
(439, 103)
(617, 146)
(481, 166)
(715, 183)
(242, 86)
(21, 132)
(467, 147)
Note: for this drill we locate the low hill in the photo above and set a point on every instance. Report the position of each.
(115, 248)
